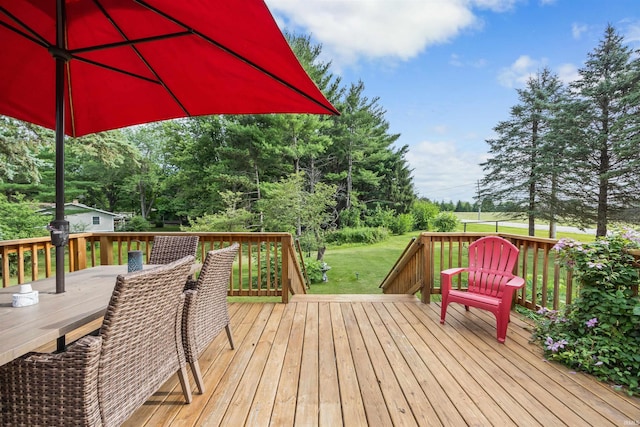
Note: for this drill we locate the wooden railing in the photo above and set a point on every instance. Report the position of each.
(268, 265)
(418, 268)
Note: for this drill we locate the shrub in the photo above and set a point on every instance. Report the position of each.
(350, 218)
(424, 212)
(19, 219)
(314, 269)
(403, 224)
(357, 235)
(600, 332)
(605, 262)
(445, 222)
(136, 223)
(228, 221)
(380, 217)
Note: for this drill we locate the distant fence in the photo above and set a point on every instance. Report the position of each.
(464, 224)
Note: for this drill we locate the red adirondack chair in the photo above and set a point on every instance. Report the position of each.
(491, 282)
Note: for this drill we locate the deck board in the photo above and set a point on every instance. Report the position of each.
(329, 391)
(536, 379)
(331, 361)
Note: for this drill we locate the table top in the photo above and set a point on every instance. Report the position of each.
(86, 297)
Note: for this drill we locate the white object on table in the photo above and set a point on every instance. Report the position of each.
(26, 297)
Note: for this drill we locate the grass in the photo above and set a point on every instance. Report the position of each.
(491, 228)
(360, 269)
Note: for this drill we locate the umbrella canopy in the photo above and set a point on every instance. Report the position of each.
(133, 62)
(84, 66)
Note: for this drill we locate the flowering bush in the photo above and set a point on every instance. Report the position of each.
(600, 332)
(605, 262)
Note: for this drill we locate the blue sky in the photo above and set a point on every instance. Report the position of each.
(447, 71)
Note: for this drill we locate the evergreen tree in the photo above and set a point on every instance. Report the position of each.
(145, 177)
(361, 146)
(521, 161)
(20, 165)
(193, 169)
(606, 161)
(396, 184)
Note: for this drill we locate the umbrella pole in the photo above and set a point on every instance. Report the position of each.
(59, 227)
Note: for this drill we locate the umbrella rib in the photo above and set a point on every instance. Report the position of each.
(129, 42)
(36, 38)
(117, 70)
(238, 56)
(133, 43)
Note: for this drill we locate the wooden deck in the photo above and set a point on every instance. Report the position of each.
(381, 361)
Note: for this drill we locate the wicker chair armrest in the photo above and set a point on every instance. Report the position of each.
(189, 317)
(83, 352)
(63, 380)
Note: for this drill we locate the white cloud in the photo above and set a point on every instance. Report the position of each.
(442, 172)
(520, 71)
(441, 129)
(525, 67)
(568, 73)
(577, 30)
(632, 32)
(350, 30)
(495, 5)
(457, 61)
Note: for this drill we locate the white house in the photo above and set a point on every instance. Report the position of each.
(85, 218)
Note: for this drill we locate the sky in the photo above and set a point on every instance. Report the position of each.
(446, 71)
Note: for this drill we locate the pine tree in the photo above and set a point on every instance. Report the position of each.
(606, 159)
(521, 161)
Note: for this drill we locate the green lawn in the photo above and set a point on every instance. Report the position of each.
(360, 269)
(491, 228)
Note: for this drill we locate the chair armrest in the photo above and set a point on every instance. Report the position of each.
(445, 278)
(82, 353)
(516, 282)
(453, 271)
(33, 384)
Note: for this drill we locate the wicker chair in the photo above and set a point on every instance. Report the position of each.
(103, 379)
(206, 312)
(167, 249)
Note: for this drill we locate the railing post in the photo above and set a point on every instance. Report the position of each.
(20, 264)
(81, 260)
(5, 267)
(78, 252)
(106, 250)
(285, 244)
(427, 270)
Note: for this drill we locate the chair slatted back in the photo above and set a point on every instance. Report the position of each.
(491, 263)
(168, 249)
(141, 338)
(207, 314)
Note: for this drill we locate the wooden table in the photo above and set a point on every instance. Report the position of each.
(86, 297)
(23, 329)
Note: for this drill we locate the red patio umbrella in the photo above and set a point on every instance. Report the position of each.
(84, 66)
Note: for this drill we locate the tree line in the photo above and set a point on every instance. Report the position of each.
(571, 152)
